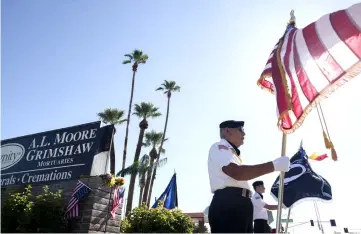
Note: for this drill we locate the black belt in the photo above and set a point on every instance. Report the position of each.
(234, 191)
(260, 220)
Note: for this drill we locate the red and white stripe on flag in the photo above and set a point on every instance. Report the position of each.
(117, 199)
(310, 63)
(74, 211)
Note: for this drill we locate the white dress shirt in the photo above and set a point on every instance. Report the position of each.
(221, 154)
(259, 212)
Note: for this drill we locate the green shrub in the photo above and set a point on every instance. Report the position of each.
(45, 214)
(198, 229)
(48, 212)
(145, 220)
(16, 213)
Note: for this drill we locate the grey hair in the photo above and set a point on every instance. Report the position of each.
(221, 133)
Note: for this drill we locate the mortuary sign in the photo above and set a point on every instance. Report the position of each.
(62, 154)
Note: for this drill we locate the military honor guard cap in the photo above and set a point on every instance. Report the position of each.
(231, 124)
(257, 183)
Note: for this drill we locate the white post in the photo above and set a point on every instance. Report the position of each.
(288, 218)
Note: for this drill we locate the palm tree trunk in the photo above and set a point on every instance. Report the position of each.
(128, 119)
(141, 185)
(140, 196)
(160, 150)
(147, 182)
(134, 174)
(112, 156)
(151, 186)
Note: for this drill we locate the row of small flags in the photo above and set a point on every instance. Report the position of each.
(81, 190)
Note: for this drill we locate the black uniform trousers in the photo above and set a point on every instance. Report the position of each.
(230, 211)
(261, 226)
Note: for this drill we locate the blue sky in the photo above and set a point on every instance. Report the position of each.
(61, 64)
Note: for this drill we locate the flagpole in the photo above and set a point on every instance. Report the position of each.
(106, 218)
(111, 189)
(281, 186)
(318, 217)
(288, 218)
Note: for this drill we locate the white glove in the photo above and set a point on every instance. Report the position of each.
(282, 164)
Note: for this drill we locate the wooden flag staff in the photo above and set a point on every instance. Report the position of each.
(281, 186)
(283, 153)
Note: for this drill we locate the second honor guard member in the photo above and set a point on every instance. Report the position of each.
(260, 215)
(231, 209)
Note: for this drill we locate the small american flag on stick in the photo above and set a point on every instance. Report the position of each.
(117, 199)
(308, 64)
(79, 193)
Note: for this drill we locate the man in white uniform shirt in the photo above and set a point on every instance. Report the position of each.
(231, 209)
(260, 215)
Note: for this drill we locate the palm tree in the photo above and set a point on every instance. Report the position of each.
(152, 139)
(144, 111)
(144, 162)
(112, 116)
(141, 168)
(136, 57)
(168, 87)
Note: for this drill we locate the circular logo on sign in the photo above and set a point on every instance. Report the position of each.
(11, 154)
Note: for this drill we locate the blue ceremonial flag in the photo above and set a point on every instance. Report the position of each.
(301, 182)
(169, 196)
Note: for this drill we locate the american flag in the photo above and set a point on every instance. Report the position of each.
(117, 199)
(79, 192)
(308, 64)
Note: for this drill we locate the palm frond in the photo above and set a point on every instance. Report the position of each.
(137, 54)
(155, 114)
(138, 110)
(143, 59)
(137, 167)
(153, 138)
(162, 151)
(169, 86)
(130, 57)
(112, 116)
(126, 61)
(162, 162)
(145, 160)
(146, 110)
(122, 121)
(134, 168)
(102, 116)
(139, 57)
(176, 88)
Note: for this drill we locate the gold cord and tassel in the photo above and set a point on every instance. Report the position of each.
(326, 134)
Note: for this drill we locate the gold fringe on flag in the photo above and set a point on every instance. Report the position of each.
(326, 134)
